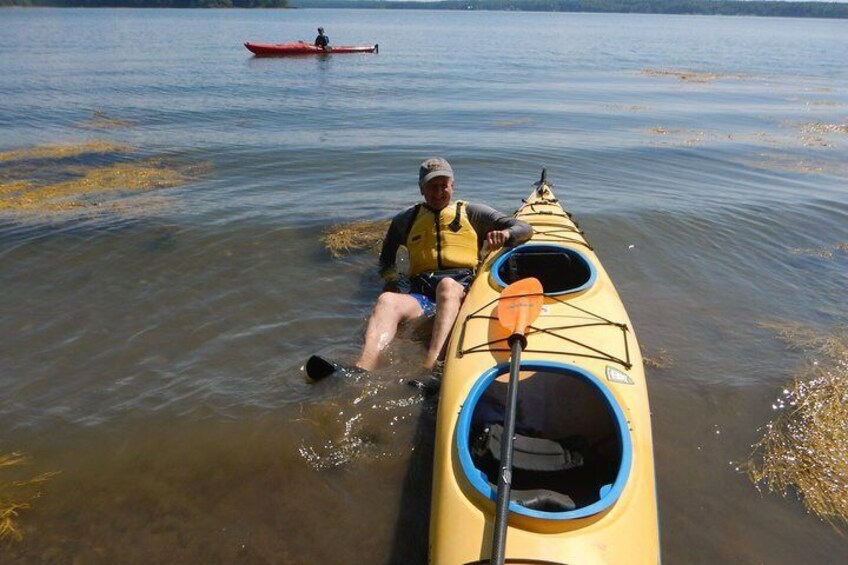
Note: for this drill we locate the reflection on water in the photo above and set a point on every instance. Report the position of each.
(364, 422)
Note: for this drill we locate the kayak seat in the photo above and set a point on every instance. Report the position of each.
(529, 453)
(543, 500)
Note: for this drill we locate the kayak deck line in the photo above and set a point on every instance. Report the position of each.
(583, 486)
(555, 331)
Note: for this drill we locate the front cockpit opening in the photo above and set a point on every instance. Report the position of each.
(561, 270)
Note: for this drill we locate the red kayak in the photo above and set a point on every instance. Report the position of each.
(301, 48)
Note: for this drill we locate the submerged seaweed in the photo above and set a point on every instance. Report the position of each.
(17, 495)
(690, 76)
(63, 151)
(805, 448)
(657, 359)
(90, 183)
(101, 120)
(62, 179)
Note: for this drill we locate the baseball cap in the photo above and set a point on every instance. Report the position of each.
(432, 168)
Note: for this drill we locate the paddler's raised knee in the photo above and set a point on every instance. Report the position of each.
(449, 289)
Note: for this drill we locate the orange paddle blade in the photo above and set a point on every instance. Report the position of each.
(520, 304)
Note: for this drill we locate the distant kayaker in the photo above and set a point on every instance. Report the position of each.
(443, 239)
(322, 40)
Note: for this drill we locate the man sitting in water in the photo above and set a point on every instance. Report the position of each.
(444, 241)
(322, 40)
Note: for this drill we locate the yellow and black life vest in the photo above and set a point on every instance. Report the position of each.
(441, 240)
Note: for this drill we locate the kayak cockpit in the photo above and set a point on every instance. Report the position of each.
(572, 451)
(561, 270)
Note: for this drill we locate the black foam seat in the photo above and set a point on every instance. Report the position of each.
(529, 453)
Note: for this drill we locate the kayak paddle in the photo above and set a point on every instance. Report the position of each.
(518, 306)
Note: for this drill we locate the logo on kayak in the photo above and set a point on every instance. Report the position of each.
(617, 376)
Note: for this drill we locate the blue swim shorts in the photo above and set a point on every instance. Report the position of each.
(426, 304)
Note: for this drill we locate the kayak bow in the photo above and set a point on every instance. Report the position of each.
(583, 488)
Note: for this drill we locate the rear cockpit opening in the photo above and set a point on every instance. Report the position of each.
(571, 453)
(561, 270)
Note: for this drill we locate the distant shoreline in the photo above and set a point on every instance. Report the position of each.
(667, 7)
(830, 10)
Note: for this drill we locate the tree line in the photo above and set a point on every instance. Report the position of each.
(702, 7)
(149, 3)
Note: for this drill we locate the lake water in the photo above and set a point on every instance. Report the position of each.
(151, 352)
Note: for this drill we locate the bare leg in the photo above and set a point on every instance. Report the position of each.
(391, 309)
(449, 295)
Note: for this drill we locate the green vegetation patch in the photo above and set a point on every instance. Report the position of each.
(805, 448)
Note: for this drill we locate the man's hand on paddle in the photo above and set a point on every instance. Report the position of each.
(497, 239)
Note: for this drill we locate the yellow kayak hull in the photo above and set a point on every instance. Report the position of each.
(581, 369)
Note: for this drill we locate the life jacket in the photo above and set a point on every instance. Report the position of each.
(441, 240)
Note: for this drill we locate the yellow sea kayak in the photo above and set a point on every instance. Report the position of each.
(583, 489)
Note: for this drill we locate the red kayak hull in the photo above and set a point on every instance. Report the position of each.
(300, 48)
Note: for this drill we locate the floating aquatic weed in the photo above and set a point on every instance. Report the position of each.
(513, 123)
(690, 76)
(621, 107)
(817, 134)
(823, 253)
(17, 495)
(64, 151)
(50, 180)
(832, 345)
(805, 447)
(101, 120)
(79, 192)
(821, 128)
(686, 137)
(658, 359)
(341, 239)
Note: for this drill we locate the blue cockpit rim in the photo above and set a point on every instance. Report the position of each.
(573, 253)
(478, 479)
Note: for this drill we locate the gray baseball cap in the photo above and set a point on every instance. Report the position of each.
(432, 168)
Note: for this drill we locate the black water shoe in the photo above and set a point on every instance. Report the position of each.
(429, 387)
(318, 368)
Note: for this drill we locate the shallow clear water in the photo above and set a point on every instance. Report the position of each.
(153, 356)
